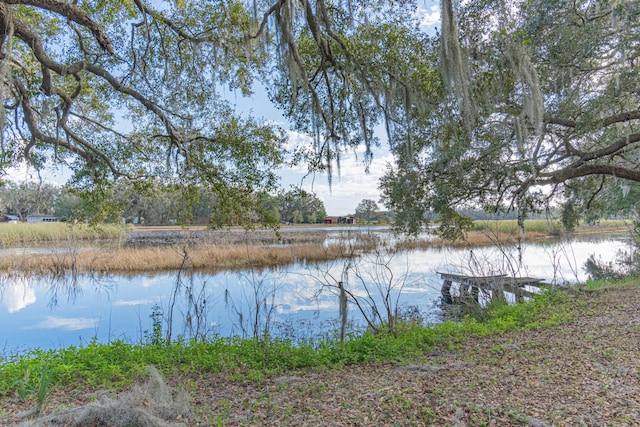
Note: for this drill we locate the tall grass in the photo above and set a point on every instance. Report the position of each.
(511, 226)
(492, 232)
(122, 260)
(57, 232)
(230, 251)
(543, 226)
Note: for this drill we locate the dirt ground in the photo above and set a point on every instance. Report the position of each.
(583, 373)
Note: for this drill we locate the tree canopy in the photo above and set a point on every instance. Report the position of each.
(28, 198)
(122, 90)
(366, 209)
(130, 90)
(513, 105)
(541, 106)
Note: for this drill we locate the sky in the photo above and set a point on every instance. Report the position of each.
(348, 187)
(352, 184)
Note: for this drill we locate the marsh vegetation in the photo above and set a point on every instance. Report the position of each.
(197, 283)
(375, 283)
(129, 250)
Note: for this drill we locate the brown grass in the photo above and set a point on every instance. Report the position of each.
(472, 239)
(171, 258)
(228, 251)
(488, 237)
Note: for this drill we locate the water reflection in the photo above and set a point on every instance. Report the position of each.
(300, 302)
(66, 323)
(16, 294)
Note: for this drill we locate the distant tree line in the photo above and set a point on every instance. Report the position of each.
(159, 204)
(368, 212)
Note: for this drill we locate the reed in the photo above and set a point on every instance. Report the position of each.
(472, 239)
(506, 232)
(171, 258)
(57, 232)
(549, 227)
(511, 226)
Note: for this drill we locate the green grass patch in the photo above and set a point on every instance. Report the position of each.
(509, 226)
(593, 285)
(57, 232)
(543, 226)
(614, 223)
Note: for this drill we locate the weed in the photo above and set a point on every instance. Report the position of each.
(428, 414)
(22, 387)
(608, 354)
(155, 336)
(43, 388)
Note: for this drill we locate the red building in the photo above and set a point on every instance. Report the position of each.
(340, 220)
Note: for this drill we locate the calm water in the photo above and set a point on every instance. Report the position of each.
(298, 301)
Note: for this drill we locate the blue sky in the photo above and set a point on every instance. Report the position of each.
(349, 187)
(352, 184)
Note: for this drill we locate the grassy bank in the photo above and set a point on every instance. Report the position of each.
(23, 233)
(57, 232)
(506, 232)
(119, 363)
(157, 259)
(540, 363)
(193, 256)
(543, 226)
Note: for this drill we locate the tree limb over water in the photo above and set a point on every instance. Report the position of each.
(541, 107)
(512, 106)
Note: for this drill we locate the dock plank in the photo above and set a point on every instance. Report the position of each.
(494, 284)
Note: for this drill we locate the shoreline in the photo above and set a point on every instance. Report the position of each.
(570, 360)
(173, 249)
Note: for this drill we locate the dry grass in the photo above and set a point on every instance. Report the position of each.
(57, 232)
(171, 258)
(488, 233)
(206, 250)
(472, 239)
(543, 227)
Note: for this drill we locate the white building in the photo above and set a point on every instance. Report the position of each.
(32, 219)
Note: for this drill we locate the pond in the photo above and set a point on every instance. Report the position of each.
(298, 302)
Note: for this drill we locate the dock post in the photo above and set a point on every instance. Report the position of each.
(475, 294)
(446, 292)
(497, 293)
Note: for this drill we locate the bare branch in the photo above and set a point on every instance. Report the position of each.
(73, 13)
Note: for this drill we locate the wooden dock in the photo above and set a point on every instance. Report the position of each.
(470, 286)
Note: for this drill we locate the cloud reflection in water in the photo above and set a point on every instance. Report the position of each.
(68, 323)
(16, 294)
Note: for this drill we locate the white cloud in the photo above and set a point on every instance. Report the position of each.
(350, 184)
(22, 172)
(68, 323)
(125, 303)
(152, 281)
(429, 18)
